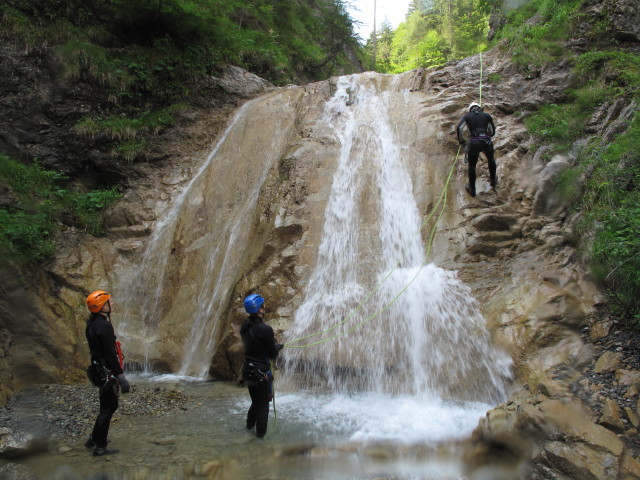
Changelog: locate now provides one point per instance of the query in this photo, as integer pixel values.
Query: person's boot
(470, 190)
(100, 451)
(91, 443)
(494, 183)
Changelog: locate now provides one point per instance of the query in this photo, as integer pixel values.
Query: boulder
(608, 362)
(580, 462)
(547, 199)
(628, 377)
(611, 416)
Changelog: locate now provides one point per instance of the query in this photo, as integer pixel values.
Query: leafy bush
(534, 33)
(29, 222)
(611, 205)
(615, 70)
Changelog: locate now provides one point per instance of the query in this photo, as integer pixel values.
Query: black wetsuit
(259, 349)
(481, 129)
(101, 338)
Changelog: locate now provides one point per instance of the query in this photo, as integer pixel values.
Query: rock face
(567, 423)
(258, 199)
(512, 249)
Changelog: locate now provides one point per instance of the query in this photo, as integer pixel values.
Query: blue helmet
(253, 303)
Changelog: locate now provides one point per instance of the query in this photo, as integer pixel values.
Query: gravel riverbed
(68, 411)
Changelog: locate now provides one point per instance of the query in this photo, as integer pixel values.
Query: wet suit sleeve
(107, 339)
(270, 342)
(491, 128)
(460, 128)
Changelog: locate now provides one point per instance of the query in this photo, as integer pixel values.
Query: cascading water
(176, 295)
(142, 295)
(430, 339)
(410, 342)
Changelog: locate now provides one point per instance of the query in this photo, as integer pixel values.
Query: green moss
(610, 202)
(535, 33)
(29, 224)
(494, 78)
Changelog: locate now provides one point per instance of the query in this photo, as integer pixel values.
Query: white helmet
(474, 104)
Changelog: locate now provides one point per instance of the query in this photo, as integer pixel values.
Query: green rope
(480, 78)
(441, 201)
(275, 412)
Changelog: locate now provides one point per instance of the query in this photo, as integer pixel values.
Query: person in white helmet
(481, 130)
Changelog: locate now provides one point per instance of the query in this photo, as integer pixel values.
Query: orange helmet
(96, 300)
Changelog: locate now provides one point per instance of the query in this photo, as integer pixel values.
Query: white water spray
(430, 339)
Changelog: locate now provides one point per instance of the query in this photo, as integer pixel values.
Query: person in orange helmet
(104, 355)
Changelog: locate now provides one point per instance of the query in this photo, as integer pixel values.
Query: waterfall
(401, 325)
(144, 292)
(175, 296)
(429, 339)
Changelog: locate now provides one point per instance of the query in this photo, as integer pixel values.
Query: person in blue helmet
(481, 130)
(260, 348)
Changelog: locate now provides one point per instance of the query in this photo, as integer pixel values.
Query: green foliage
(123, 128)
(534, 33)
(130, 150)
(494, 78)
(25, 237)
(611, 206)
(433, 33)
(563, 124)
(171, 42)
(87, 208)
(615, 70)
(602, 75)
(29, 222)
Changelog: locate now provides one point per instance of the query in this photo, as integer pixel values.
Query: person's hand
(279, 347)
(124, 384)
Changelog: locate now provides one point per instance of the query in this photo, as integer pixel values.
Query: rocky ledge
(578, 423)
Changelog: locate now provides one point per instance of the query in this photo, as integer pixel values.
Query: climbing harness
(100, 376)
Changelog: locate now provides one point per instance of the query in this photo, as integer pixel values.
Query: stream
(315, 436)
